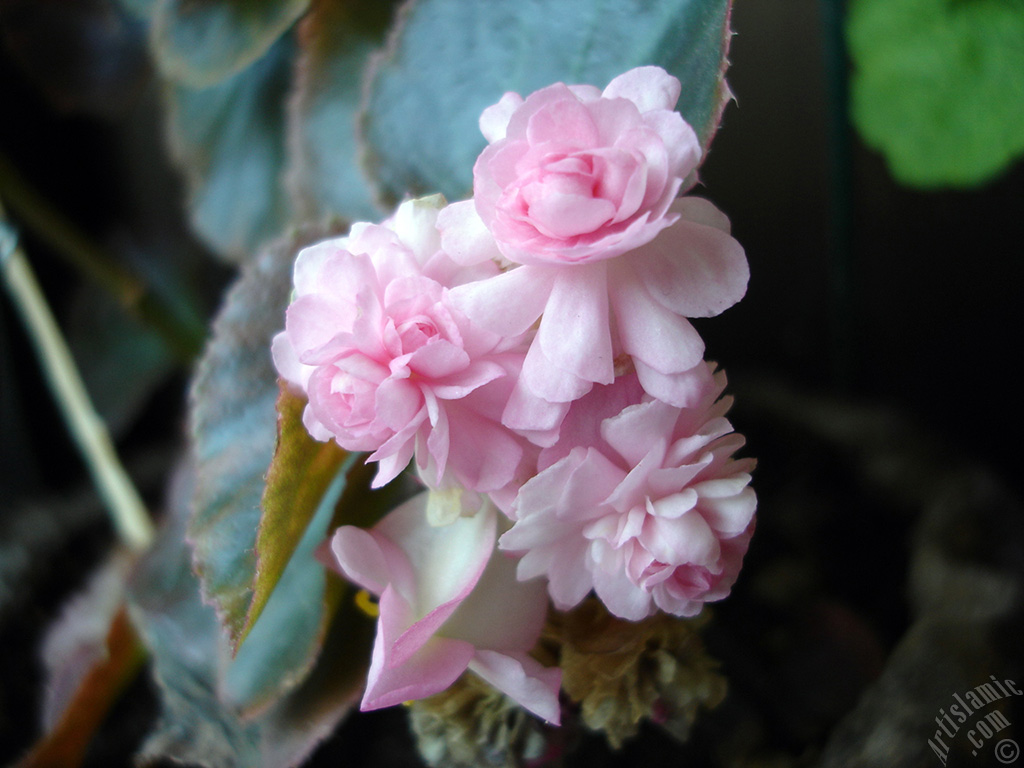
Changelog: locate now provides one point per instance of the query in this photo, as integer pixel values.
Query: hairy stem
(129, 514)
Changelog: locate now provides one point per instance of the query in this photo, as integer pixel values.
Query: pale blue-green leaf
(200, 42)
(449, 59)
(143, 9)
(324, 176)
(234, 427)
(197, 725)
(285, 641)
(938, 86)
(229, 141)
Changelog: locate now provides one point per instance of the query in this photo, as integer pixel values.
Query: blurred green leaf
(198, 43)
(938, 86)
(121, 361)
(300, 473)
(91, 653)
(229, 140)
(336, 39)
(448, 60)
(199, 723)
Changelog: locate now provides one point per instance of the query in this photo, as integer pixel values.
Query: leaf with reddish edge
(336, 38)
(453, 59)
(299, 475)
(91, 653)
(233, 421)
(201, 42)
(65, 744)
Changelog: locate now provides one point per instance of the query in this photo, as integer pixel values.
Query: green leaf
(199, 723)
(122, 361)
(450, 59)
(300, 473)
(286, 641)
(233, 418)
(336, 39)
(200, 42)
(229, 140)
(938, 86)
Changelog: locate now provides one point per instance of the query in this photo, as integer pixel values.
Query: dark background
(859, 287)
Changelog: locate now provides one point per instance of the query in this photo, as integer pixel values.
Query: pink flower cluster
(530, 350)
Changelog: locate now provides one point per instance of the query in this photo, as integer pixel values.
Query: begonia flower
(574, 175)
(389, 365)
(576, 190)
(448, 602)
(647, 507)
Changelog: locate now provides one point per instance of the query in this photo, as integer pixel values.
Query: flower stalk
(128, 512)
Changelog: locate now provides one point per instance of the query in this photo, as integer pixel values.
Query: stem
(184, 336)
(126, 507)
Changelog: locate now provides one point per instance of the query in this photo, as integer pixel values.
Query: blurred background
(865, 293)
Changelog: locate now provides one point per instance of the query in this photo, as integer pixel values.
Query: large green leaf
(336, 38)
(449, 59)
(200, 42)
(284, 644)
(229, 140)
(938, 86)
(200, 723)
(234, 426)
(300, 474)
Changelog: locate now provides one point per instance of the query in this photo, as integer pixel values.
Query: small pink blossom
(640, 501)
(448, 602)
(574, 175)
(389, 365)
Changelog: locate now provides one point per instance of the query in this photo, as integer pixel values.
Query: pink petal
(685, 539)
(574, 333)
(464, 237)
(503, 613)
(632, 432)
(692, 268)
(533, 416)
(509, 303)
(522, 679)
(314, 321)
(414, 225)
(431, 669)
(494, 120)
(620, 595)
(371, 560)
(678, 139)
(286, 361)
(547, 381)
(647, 87)
(648, 331)
(563, 119)
(730, 512)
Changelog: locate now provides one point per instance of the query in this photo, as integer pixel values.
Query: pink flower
(448, 603)
(649, 508)
(574, 175)
(635, 305)
(577, 187)
(389, 365)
